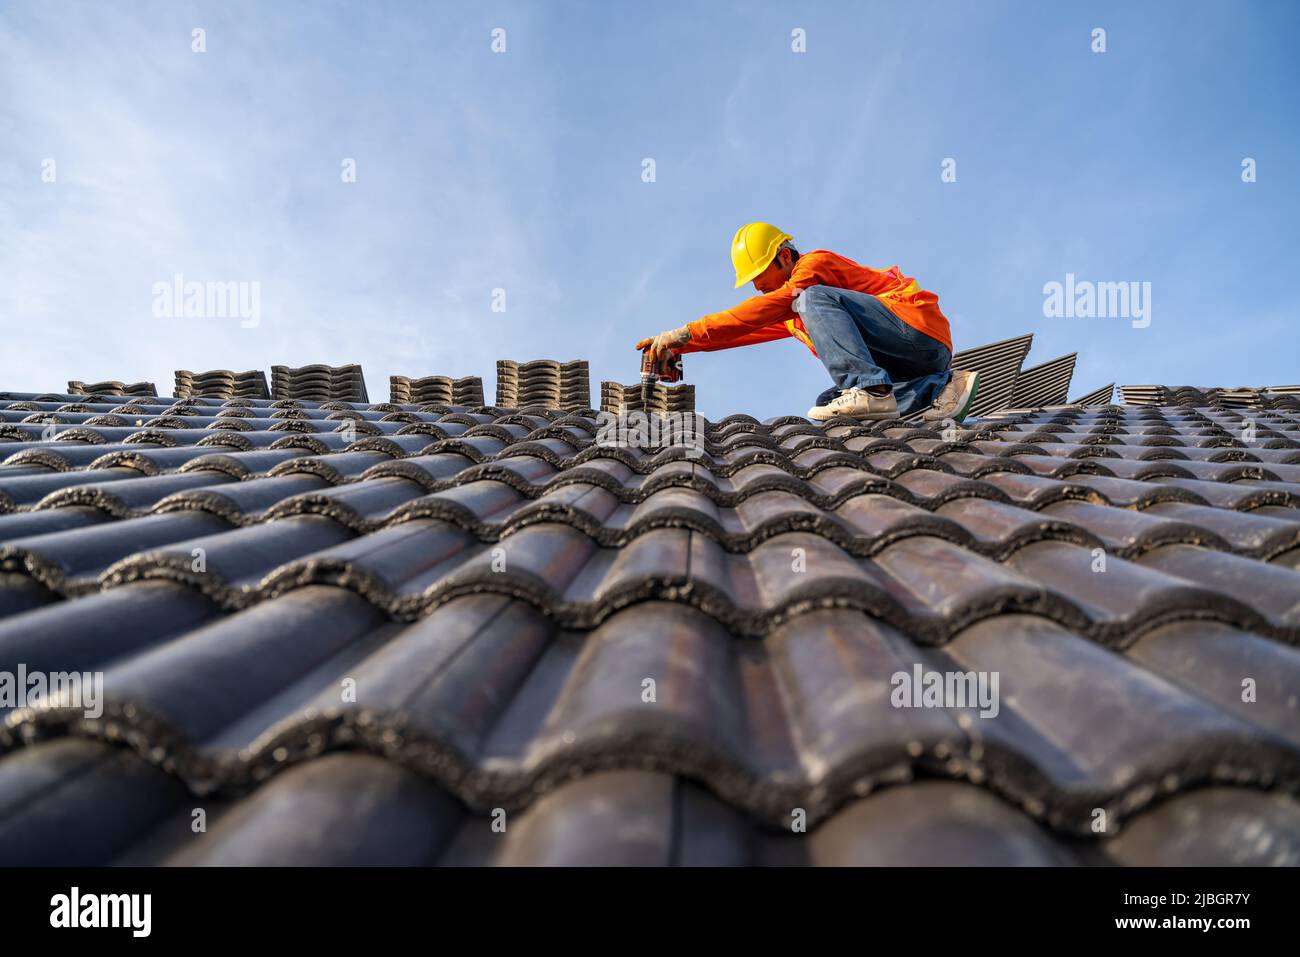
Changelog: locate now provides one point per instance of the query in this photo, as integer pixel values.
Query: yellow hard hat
(754, 248)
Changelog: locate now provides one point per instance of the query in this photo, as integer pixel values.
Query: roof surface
(356, 634)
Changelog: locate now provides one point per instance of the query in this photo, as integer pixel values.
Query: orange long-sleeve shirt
(771, 316)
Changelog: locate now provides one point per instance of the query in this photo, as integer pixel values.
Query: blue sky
(522, 171)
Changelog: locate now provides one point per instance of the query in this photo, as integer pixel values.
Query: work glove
(666, 341)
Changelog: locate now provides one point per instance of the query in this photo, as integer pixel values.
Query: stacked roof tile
(1144, 394)
(998, 364)
(352, 646)
(435, 389)
(1103, 395)
(319, 383)
(1045, 384)
(664, 400)
(222, 384)
(1266, 397)
(543, 384)
(111, 387)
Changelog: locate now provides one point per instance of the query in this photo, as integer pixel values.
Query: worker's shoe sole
(966, 388)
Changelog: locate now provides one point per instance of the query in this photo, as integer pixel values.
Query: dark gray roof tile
(71, 560)
(374, 812)
(87, 634)
(1272, 591)
(132, 499)
(933, 824)
(1130, 533)
(1215, 826)
(191, 697)
(1242, 496)
(240, 502)
(1077, 714)
(1118, 598)
(1252, 534)
(52, 800)
(25, 491)
(19, 593)
(230, 566)
(1245, 675)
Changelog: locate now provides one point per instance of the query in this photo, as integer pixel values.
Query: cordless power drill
(666, 368)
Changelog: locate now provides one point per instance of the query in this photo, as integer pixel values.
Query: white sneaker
(856, 404)
(955, 400)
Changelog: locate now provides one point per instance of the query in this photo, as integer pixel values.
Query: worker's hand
(666, 341)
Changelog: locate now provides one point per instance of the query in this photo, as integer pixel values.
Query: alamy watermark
(133, 912)
(53, 689)
(1084, 299)
(180, 299)
(919, 688)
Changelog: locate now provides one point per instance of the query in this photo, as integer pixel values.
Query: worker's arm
(758, 319)
(766, 334)
(681, 340)
(747, 323)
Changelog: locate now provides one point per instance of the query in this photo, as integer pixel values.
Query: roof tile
(404, 616)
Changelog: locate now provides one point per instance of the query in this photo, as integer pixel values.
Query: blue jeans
(862, 343)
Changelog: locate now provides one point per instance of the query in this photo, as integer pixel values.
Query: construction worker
(883, 339)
